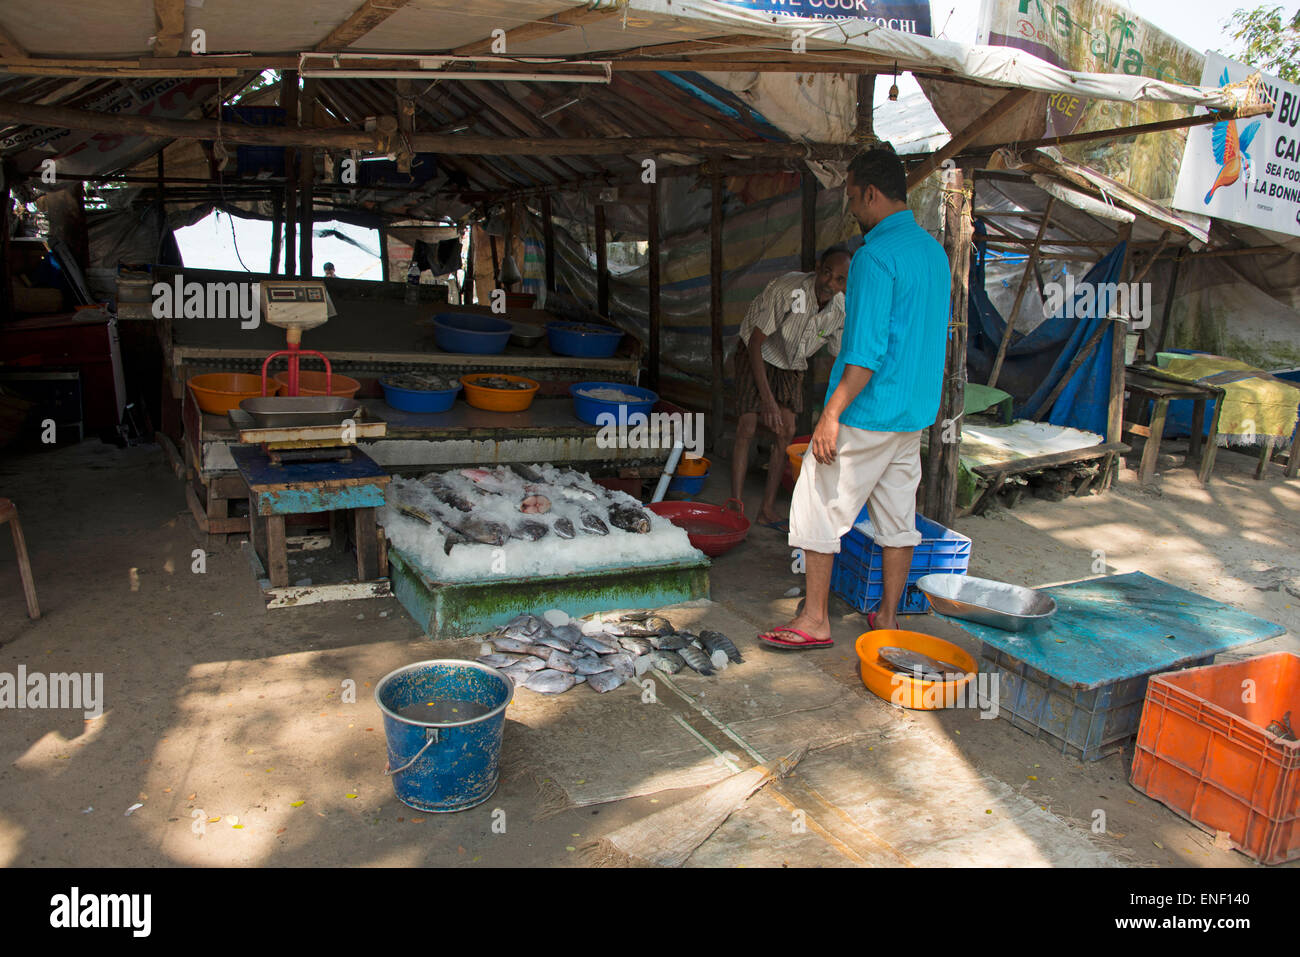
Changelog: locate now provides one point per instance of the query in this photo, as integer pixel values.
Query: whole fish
(549, 681)
(568, 632)
(669, 662)
(622, 663)
(529, 473)
(578, 679)
(554, 641)
(446, 494)
(593, 665)
(560, 661)
(671, 642)
(526, 623)
(498, 660)
(716, 641)
(412, 512)
(529, 531)
(517, 673)
(481, 530)
(606, 681)
(640, 615)
(528, 664)
(487, 481)
(659, 624)
(598, 645)
(515, 646)
(697, 659)
(564, 528)
(593, 525)
(579, 495)
(637, 646)
(629, 518)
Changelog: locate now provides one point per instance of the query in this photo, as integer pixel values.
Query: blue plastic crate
(858, 574)
(1087, 724)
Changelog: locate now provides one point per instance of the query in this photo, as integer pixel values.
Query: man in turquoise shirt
(883, 391)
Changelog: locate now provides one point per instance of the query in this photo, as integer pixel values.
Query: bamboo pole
(1031, 266)
(715, 305)
(961, 138)
(652, 222)
(602, 264)
(548, 242)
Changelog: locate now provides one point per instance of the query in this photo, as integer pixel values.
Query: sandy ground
(221, 716)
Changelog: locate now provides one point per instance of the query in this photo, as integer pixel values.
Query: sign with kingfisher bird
(1246, 171)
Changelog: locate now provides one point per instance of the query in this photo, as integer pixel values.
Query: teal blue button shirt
(896, 325)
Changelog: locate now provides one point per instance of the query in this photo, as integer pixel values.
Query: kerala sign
(1246, 171)
(1100, 36)
(907, 16)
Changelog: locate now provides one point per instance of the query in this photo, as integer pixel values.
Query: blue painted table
(1080, 678)
(354, 488)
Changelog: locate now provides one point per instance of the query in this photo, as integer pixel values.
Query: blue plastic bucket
(418, 400)
(470, 332)
(444, 764)
(588, 408)
(687, 484)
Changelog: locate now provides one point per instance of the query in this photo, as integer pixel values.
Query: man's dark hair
(839, 249)
(881, 168)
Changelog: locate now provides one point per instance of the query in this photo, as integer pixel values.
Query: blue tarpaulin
(1036, 362)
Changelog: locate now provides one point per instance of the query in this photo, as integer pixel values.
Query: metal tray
(294, 411)
(526, 334)
(1010, 607)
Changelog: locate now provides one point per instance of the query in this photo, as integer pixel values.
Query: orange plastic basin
(904, 691)
(219, 392)
(498, 400)
(691, 467)
(795, 454)
(311, 382)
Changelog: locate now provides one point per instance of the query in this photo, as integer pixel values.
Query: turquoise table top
(1122, 626)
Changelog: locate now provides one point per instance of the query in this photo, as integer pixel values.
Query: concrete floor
(218, 709)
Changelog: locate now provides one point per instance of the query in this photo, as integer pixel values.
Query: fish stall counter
(467, 548)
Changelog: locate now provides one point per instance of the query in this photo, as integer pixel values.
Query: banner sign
(1246, 171)
(906, 16)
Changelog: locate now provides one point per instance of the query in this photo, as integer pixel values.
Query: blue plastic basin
(419, 400)
(467, 332)
(580, 339)
(687, 484)
(587, 409)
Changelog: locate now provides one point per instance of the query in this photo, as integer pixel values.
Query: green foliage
(1268, 41)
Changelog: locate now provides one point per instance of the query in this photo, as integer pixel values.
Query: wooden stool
(9, 513)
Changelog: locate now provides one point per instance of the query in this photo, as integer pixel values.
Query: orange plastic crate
(1204, 752)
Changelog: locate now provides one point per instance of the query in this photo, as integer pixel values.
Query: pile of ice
(519, 558)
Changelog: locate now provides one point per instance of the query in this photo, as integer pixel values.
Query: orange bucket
(795, 454)
(901, 690)
(311, 382)
(498, 400)
(689, 466)
(219, 392)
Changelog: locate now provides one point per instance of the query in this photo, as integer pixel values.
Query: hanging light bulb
(893, 90)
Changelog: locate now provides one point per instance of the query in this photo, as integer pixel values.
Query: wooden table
(1148, 383)
(352, 489)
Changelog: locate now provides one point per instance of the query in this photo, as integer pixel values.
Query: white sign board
(1246, 171)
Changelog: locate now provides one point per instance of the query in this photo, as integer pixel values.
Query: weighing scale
(295, 305)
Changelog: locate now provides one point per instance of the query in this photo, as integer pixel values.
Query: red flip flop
(809, 642)
(871, 621)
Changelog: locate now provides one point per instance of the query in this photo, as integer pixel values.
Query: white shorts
(882, 469)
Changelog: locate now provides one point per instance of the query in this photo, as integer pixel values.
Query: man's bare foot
(818, 630)
(767, 516)
(884, 622)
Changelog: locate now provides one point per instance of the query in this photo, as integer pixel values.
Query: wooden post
(1169, 303)
(467, 290)
(808, 262)
(602, 264)
(715, 306)
(1115, 410)
(1031, 268)
(289, 103)
(277, 229)
(945, 434)
(385, 270)
(496, 260)
(6, 275)
(652, 277)
(160, 188)
(306, 181)
(865, 133)
(548, 241)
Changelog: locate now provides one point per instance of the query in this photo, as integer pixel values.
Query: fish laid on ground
(593, 525)
(669, 662)
(529, 663)
(564, 528)
(623, 663)
(717, 641)
(641, 615)
(499, 660)
(569, 632)
(529, 531)
(697, 659)
(629, 518)
(554, 641)
(637, 646)
(674, 642)
(606, 681)
(598, 645)
(528, 624)
(560, 661)
(549, 681)
(515, 646)
(593, 665)
(518, 673)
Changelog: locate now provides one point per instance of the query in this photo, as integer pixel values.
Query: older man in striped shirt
(791, 319)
